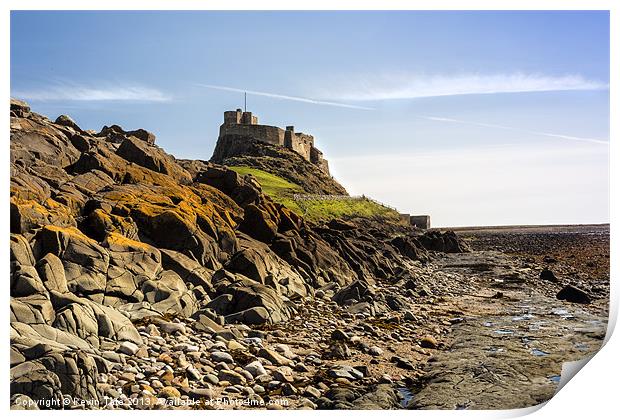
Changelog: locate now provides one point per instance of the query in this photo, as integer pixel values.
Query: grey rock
(128, 348)
(220, 356)
(232, 377)
(344, 371)
(255, 368)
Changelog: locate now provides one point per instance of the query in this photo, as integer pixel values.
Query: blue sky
(477, 118)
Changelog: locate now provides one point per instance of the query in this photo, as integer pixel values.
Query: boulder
(131, 264)
(256, 315)
(19, 108)
(77, 372)
(230, 183)
(383, 397)
(52, 273)
(358, 290)
(141, 153)
(410, 248)
(80, 321)
(35, 140)
(67, 121)
(190, 270)
(35, 381)
(573, 294)
(257, 262)
(25, 336)
(21, 251)
(247, 294)
(85, 262)
(25, 281)
(259, 224)
(28, 215)
(116, 134)
(548, 275)
(169, 294)
(33, 309)
(110, 323)
(448, 242)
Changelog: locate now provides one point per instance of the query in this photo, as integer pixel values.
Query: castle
(243, 123)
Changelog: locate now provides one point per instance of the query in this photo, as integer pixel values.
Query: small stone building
(422, 222)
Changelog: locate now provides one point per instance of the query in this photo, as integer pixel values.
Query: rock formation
(116, 244)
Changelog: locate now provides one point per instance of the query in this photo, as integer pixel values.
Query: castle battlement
(243, 123)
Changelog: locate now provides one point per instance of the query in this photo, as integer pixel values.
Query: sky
(476, 118)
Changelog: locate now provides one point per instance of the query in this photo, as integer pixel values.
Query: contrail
(286, 97)
(504, 127)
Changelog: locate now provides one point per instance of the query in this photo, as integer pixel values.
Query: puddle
(535, 326)
(405, 396)
(523, 317)
(503, 331)
(563, 313)
(537, 352)
(554, 378)
(488, 324)
(582, 346)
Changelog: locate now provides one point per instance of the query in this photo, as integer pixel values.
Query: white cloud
(505, 127)
(72, 92)
(406, 86)
(285, 97)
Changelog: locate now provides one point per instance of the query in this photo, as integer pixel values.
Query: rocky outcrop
(233, 150)
(447, 242)
(109, 233)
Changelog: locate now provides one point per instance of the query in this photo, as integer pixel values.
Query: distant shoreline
(602, 226)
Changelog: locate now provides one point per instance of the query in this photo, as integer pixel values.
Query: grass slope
(283, 191)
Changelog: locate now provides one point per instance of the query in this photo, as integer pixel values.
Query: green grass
(279, 189)
(283, 191)
(343, 209)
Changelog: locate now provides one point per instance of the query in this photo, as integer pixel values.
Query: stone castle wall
(264, 133)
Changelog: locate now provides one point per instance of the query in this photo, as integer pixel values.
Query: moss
(118, 241)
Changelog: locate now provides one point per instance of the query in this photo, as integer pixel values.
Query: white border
(591, 395)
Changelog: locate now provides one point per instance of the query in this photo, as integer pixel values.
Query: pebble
(273, 357)
(255, 368)
(339, 335)
(172, 328)
(375, 351)
(152, 330)
(311, 391)
(253, 340)
(193, 373)
(220, 356)
(345, 372)
(211, 378)
(169, 392)
(128, 348)
(186, 347)
(232, 377)
(428, 342)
